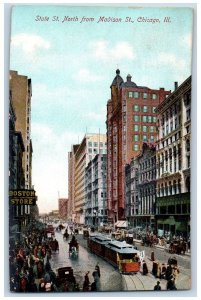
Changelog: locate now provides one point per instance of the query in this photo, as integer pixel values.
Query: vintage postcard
(100, 148)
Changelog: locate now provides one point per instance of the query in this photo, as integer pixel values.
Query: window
(101, 144)
(154, 96)
(136, 138)
(136, 95)
(152, 138)
(144, 128)
(95, 144)
(130, 94)
(135, 147)
(154, 119)
(145, 95)
(144, 118)
(149, 119)
(124, 128)
(89, 144)
(144, 138)
(90, 150)
(136, 128)
(136, 107)
(136, 118)
(153, 109)
(145, 109)
(152, 128)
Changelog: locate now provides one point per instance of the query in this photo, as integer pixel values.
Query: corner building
(131, 120)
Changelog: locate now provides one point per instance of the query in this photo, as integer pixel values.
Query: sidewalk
(158, 247)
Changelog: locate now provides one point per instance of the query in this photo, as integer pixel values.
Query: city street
(111, 279)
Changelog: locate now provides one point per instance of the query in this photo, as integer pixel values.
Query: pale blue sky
(72, 66)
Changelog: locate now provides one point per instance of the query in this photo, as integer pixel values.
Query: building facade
(147, 187)
(131, 120)
(173, 161)
(20, 94)
(95, 187)
(141, 188)
(63, 207)
(71, 185)
(90, 146)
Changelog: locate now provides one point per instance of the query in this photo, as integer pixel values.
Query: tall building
(21, 90)
(71, 185)
(91, 145)
(95, 187)
(131, 120)
(63, 207)
(173, 161)
(21, 93)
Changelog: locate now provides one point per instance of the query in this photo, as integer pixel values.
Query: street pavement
(111, 279)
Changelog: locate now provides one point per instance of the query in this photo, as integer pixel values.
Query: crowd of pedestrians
(30, 268)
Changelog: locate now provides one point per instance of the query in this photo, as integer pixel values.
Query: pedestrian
(86, 282)
(144, 268)
(154, 268)
(171, 284)
(157, 287)
(96, 280)
(97, 268)
(163, 271)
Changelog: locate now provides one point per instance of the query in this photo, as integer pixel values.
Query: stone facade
(173, 161)
(95, 187)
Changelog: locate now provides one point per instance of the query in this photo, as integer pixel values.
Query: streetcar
(120, 254)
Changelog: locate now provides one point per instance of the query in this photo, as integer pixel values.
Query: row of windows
(138, 138)
(138, 95)
(144, 128)
(95, 144)
(144, 108)
(149, 119)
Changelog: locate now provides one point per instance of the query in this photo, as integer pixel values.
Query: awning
(121, 224)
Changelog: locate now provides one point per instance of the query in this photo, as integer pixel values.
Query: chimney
(175, 85)
(129, 78)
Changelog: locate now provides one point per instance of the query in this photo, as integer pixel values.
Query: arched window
(174, 187)
(188, 184)
(179, 186)
(170, 187)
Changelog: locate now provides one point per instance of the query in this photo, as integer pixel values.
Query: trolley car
(120, 254)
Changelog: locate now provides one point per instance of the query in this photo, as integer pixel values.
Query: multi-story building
(71, 186)
(21, 90)
(147, 187)
(91, 145)
(131, 120)
(21, 93)
(131, 192)
(63, 207)
(95, 187)
(141, 188)
(173, 161)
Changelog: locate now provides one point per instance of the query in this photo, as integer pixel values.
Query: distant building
(91, 145)
(71, 183)
(63, 207)
(173, 161)
(131, 120)
(95, 187)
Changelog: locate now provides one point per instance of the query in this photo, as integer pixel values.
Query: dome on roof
(118, 79)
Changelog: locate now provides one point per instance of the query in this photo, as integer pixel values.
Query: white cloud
(120, 51)
(29, 43)
(84, 75)
(170, 59)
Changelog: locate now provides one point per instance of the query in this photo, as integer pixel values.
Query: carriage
(73, 248)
